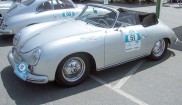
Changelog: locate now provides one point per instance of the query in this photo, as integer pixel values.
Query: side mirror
(118, 29)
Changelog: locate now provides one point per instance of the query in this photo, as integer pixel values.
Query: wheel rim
(73, 69)
(159, 48)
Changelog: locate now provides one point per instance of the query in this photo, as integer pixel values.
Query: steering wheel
(103, 21)
(60, 3)
(127, 18)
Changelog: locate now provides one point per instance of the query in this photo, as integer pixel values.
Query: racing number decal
(132, 37)
(132, 41)
(22, 67)
(21, 70)
(68, 14)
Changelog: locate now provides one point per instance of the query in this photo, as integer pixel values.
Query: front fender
(19, 21)
(54, 52)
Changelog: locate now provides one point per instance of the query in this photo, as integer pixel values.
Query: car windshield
(27, 2)
(63, 4)
(98, 16)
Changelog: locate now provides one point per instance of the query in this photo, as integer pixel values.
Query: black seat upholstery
(148, 19)
(47, 5)
(129, 17)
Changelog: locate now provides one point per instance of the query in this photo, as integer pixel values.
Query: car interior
(125, 18)
(135, 18)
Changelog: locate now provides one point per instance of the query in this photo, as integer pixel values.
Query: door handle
(55, 17)
(144, 35)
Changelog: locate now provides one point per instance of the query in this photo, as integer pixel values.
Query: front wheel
(159, 50)
(73, 70)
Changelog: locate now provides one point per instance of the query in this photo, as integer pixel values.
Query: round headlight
(16, 39)
(34, 58)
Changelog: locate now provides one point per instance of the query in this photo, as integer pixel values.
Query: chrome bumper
(31, 77)
(4, 31)
(9, 32)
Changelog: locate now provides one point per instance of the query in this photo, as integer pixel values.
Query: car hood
(55, 31)
(5, 4)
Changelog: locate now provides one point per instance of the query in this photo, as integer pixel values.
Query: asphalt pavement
(141, 82)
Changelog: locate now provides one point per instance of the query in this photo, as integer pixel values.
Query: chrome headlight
(16, 39)
(34, 58)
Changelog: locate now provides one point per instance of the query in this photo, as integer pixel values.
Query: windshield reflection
(98, 16)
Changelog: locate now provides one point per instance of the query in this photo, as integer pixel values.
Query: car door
(65, 14)
(44, 12)
(124, 44)
(63, 9)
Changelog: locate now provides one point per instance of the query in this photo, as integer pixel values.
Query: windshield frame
(99, 6)
(64, 2)
(27, 2)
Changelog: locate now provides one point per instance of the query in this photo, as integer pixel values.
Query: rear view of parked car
(37, 11)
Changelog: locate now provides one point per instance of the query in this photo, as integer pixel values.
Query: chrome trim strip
(121, 62)
(6, 31)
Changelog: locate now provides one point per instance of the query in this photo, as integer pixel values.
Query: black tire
(160, 55)
(68, 65)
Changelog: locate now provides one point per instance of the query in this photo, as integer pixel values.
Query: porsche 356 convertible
(32, 12)
(100, 37)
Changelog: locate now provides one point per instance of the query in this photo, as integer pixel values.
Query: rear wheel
(73, 70)
(159, 50)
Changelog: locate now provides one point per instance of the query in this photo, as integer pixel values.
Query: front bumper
(39, 79)
(4, 31)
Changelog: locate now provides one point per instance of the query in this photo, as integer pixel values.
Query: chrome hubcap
(73, 69)
(159, 48)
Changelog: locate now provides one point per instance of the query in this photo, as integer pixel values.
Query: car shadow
(112, 75)
(178, 32)
(179, 7)
(148, 63)
(34, 94)
(6, 40)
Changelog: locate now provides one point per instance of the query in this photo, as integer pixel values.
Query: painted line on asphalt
(123, 80)
(179, 42)
(130, 97)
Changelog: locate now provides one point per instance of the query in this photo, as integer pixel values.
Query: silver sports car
(100, 37)
(5, 5)
(31, 12)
